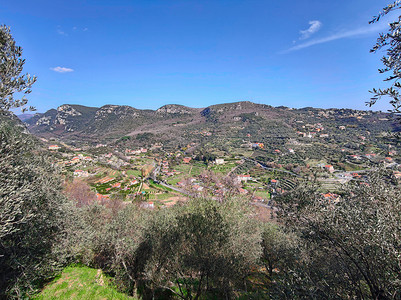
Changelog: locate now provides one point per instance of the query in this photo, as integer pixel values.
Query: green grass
(184, 168)
(197, 169)
(135, 173)
(150, 190)
(263, 194)
(114, 174)
(174, 180)
(164, 196)
(159, 186)
(80, 282)
(351, 166)
(223, 168)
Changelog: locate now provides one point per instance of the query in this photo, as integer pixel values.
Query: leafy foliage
(201, 248)
(391, 42)
(350, 248)
(32, 213)
(204, 247)
(11, 66)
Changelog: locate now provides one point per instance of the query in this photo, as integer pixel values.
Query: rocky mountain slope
(179, 124)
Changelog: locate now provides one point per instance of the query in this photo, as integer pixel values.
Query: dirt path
(99, 278)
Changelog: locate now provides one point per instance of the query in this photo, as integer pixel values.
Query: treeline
(318, 249)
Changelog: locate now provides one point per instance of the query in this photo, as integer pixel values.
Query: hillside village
(158, 174)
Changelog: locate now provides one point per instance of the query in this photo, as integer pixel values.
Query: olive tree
(198, 249)
(391, 43)
(32, 213)
(11, 79)
(350, 248)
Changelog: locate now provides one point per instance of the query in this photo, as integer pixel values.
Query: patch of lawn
(165, 196)
(174, 180)
(184, 168)
(79, 282)
(159, 186)
(197, 170)
(135, 173)
(263, 194)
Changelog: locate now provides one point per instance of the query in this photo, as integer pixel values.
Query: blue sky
(148, 53)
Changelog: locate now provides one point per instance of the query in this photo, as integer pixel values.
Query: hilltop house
(242, 191)
(197, 187)
(257, 146)
(244, 178)
(74, 160)
(102, 197)
(81, 173)
(147, 204)
(187, 160)
(219, 161)
(331, 197)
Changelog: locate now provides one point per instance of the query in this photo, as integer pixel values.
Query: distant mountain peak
(175, 109)
(115, 110)
(25, 117)
(241, 105)
(68, 110)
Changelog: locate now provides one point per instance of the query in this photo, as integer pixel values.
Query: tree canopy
(32, 213)
(11, 79)
(350, 249)
(391, 43)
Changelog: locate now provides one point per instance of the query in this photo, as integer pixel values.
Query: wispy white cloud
(60, 32)
(340, 35)
(313, 28)
(70, 30)
(76, 28)
(61, 70)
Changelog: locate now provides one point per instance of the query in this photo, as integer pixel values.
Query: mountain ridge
(72, 122)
